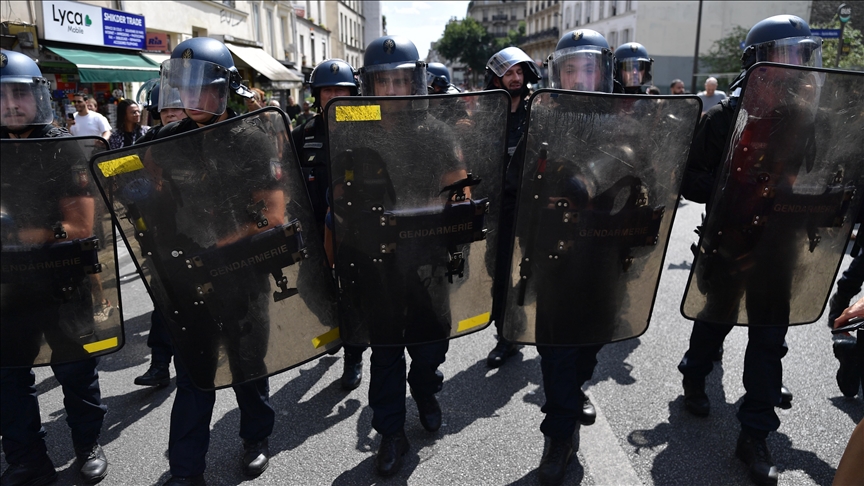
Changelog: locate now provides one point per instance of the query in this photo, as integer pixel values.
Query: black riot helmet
(333, 72)
(437, 76)
(633, 66)
(503, 60)
(784, 39)
(582, 61)
(392, 67)
(26, 99)
(202, 71)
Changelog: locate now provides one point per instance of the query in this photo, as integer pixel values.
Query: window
(628, 6)
(324, 50)
(256, 23)
(625, 36)
(613, 40)
(600, 10)
(567, 16)
(614, 8)
(578, 15)
(271, 31)
(302, 46)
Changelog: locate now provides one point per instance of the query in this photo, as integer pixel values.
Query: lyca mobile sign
(85, 24)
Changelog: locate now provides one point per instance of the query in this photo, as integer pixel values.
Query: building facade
(542, 28)
(499, 17)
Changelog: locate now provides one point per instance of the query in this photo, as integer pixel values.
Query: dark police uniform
(416, 308)
(22, 431)
(193, 408)
(763, 371)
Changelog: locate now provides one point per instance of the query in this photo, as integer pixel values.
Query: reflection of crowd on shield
(438, 213)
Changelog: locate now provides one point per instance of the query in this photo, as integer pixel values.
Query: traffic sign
(844, 12)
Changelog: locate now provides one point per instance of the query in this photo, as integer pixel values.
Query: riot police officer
(203, 71)
(25, 112)
(582, 61)
(438, 79)
(392, 67)
(328, 80)
(158, 340)
(633, 67)
(512, 70)
(784, 39)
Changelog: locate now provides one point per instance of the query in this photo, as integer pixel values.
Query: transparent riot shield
(786, 199)
(216, 220)
(600, 181)
(59, 280)
(416, 187)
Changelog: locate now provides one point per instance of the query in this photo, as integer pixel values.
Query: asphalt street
(490, 435)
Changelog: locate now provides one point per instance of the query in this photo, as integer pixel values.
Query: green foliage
(468, 42)
(514, 38)
(725, 54)
(853, 60)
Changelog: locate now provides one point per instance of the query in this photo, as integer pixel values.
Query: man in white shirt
(710, 96)
(88, 122)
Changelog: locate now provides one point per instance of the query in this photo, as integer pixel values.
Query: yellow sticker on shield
(101, 345)
(358, 113)
(326, 338)
(111, 168)
(473, 322)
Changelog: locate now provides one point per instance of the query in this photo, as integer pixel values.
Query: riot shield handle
(256, 213)
(525, 270)
(282, 283)
(456, 265)
(456, 191)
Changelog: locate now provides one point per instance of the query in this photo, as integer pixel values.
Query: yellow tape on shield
(358, 113)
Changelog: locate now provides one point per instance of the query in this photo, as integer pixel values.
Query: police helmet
(633, 66)
(203, 72)
(392, 67)
(784, 39)
(506, 58)
(26, 96)
(333, 72)
(437, 76)
(582, 61)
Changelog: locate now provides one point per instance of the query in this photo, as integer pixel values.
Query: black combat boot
(352, 371)
(589, 414)
(390, 452)
(92, 462)
(499, 354)
(695, 398)
(256, 457)
(37, 473)
(429, 411)
(754, 452)
(785, 398)
(157, 375)
(557, 454)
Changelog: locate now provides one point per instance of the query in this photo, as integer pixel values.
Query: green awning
(108, 67)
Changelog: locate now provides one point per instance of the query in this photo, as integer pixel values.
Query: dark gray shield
(599, 188)
(785, 201)
(416, 186)
(59, 277)
(216, 221)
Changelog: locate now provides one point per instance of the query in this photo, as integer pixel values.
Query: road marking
(605, 460)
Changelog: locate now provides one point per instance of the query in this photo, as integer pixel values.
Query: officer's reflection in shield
(47, 214)
(756, 250)
(208, 197)
(578, 212)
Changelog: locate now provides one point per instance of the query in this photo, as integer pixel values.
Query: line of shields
(220, 227)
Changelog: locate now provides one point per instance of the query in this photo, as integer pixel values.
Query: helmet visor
(582, 68)
(25, 103)
(199, 85)
(634, 72)
(395, 79)
(797, 51)
(503, 60)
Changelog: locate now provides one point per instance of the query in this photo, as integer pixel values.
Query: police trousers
(565, 369)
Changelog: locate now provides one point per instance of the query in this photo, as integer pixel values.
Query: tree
(514, 38)
(853, 38)
(468, 42)
(725, 54)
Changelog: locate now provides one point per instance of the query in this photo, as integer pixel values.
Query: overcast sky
(422, 22)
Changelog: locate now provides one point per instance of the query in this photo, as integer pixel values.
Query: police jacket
(310, 140)
(706, 152)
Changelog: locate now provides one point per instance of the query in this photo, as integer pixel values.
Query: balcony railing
(543, 35)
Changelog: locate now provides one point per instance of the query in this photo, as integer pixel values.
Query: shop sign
(79, 23)
(157, 42)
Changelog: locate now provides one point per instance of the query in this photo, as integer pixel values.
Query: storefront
(261, 70)
(93, 50)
